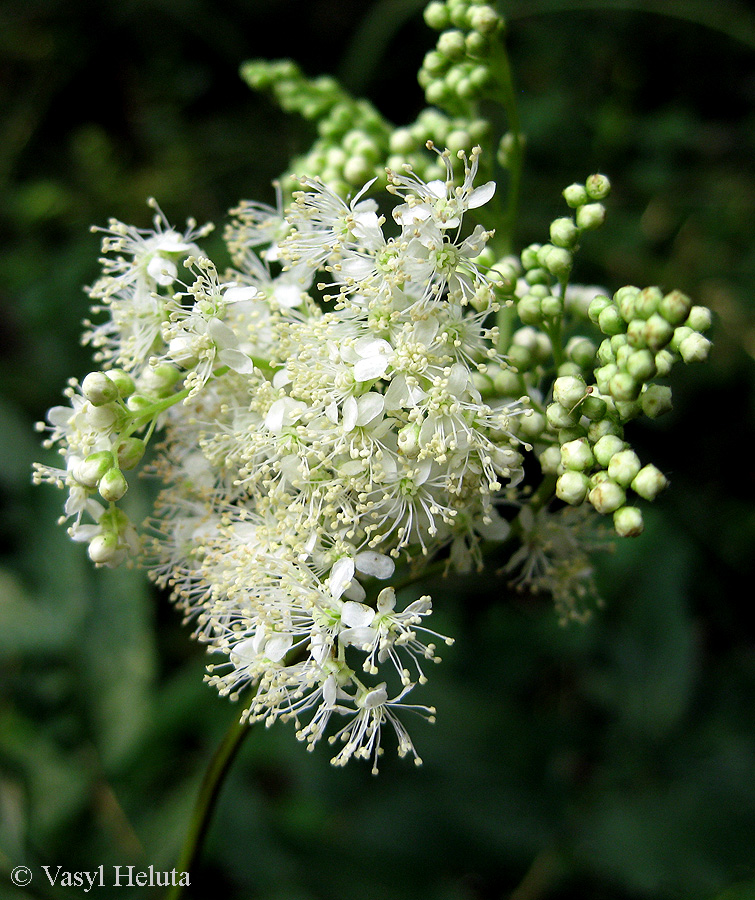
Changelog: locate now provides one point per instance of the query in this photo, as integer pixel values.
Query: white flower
(362, 736)
(444, 202)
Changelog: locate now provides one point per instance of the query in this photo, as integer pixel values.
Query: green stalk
(504, 237)
(506, 95)
(209, 791)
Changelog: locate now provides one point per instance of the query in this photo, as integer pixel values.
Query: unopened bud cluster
(646, 331)
(352, 142)
(599, 386)
(458, 71)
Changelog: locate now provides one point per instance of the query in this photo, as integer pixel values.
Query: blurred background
(612, 761)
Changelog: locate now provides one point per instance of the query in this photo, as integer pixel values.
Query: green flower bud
(623, 387)
(543, 253)
(552, 307)
(649, 482)
(597, 187)
(529, 310)
(160, 379)
(618, 341)
(100, 418)
(558, 417)
(680, 333)
(458, 139)
(568, 391)
(525, 337)
(595, 408)
(521, 358)
(436, 93)
(627, 409)
(451, 44)
(130, 452)
(623, 467)
(636, 334)
(572, 433)
(603, 377)
(641, 365)
(601, 429)
(559, 262)
(357, 170)
(606, 354)
(694, 348)
(137, 402)
(550, 460)
(123, 381)
(537, 276)
(596, 307)
(532, 424)
(113, 485)
(700, 318)
(590, 216)
(658, 332)
(578, 300)
(103, 548)
(508, 146)
(564, 232)
(477, 44)
(508, 383)
(626, 302)
(628, 521)
(457, 10)
(464, 88)
(607, 497)
(529, 256)
(484, 19)
(89, 471)
(569, 368)
(630, 291)
(436, 16)
(99, 389)
(542, 349)
(581, 351)
(577, 455)
(610, 321)
(575, 195)
(483, 383)
(402, 141)
(656, 400)
(664, 362)
(648, 301)
(572, 487)
(675, 307)
(606, 448)
(622, 355)
(479, 129)
(507, 269)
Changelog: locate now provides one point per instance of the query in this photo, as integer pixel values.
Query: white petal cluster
(330, 429)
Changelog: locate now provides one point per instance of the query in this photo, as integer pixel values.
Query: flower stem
(207, 800)
(506, 95)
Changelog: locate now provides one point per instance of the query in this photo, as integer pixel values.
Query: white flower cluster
(329, 428)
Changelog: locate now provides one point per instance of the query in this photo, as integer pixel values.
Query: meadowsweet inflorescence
(357, 395)
(307, 446)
